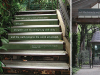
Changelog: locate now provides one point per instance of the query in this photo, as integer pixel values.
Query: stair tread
(26, 26)
(37, 42)
(36, 33)
(39, 20)
(38, 11)
(12, 74)
(35, 14)
(34, 52)
(36, 64)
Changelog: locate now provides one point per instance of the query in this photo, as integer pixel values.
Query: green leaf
(1, 64)
(1, 70)
(2, 47)
(4, 40)
(2, 31)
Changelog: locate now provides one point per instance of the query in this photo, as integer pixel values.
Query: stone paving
(88, 71)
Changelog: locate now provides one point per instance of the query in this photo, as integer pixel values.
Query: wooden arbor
(80, 4)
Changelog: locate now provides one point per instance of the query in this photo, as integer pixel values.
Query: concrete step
(36, 28)
(55, 65)
(34, 52)
(35, 16)
(37, 12)
(35, 44)
(35, 36)
(36, 22)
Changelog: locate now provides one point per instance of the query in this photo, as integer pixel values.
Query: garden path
(88, 71)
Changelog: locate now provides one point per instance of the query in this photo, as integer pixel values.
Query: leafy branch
(8, 9)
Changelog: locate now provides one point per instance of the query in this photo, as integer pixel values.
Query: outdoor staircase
(35, 43)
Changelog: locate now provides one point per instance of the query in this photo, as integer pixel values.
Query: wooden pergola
(83, 4)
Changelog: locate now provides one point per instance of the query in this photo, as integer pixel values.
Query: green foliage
(78, 42)
(7, 11)
(87, 32)
(2, 30)
(74, 70)
(43, 5)
(4, 40)
(1, 70)
(1, 64)
(2, 47)
(38, 5)
(8, 8)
